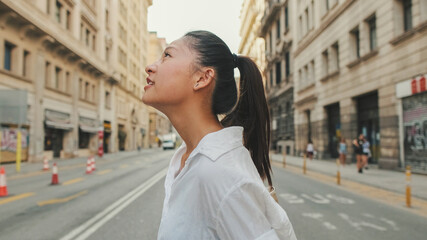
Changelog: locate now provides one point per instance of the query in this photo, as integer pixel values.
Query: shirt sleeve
(248, 212)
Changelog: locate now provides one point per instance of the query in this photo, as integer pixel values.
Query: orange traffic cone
(3, 187)
(54, 174)
(89, 166)
(93, 164)
(45, 164)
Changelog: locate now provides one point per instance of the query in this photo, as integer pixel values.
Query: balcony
(270, 15)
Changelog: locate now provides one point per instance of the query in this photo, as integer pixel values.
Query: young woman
(366, 152)
(214, 186)
(310, 149)
(342, 151)
(358, 150)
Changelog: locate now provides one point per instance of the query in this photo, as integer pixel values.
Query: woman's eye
(166, 54)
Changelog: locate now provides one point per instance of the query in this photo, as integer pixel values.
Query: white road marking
(329, 226)
(319, 199)
(339, 199)
(359, 225)
(89, 227)
(290, 198)
(319, 217)
(391, 223)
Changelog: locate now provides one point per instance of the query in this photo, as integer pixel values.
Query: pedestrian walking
(366, 153)
(310, 149)
(342, 149)
(358, 150)
(214, 187)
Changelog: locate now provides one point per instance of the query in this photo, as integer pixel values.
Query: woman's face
(170, 79)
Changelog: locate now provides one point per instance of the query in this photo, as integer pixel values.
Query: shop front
(368, 123)
(107, 135)
(88, 129)
(56, 126)
(413, 97)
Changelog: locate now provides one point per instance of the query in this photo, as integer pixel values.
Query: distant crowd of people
(361, 148)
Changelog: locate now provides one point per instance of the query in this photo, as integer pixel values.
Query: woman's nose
(150, 68)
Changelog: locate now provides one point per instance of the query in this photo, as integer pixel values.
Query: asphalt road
(123, 199)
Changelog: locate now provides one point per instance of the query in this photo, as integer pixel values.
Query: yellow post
(408, 186)
(18, 152)
(284, 159)
(304, 166)
(338, 172)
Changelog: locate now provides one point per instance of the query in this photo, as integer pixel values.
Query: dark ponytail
(252, 113)
(249, 109)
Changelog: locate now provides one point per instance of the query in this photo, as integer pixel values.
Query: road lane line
(61, 200)
(89, 227)
(15, 198)
(104, 172)
(72, 181)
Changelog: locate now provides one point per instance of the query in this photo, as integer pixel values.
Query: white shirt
(220, 195)
(310, 147)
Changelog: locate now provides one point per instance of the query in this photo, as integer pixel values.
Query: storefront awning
(58, 120)
(88, 125)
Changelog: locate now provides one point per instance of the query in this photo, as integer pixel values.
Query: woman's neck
(193, 125)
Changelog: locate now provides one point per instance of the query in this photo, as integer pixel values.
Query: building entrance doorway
(368, 123)
(334, 129)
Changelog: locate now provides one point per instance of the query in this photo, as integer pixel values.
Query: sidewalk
(27, 167)
(394, 181)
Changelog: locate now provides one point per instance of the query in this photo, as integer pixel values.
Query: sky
(171, 19)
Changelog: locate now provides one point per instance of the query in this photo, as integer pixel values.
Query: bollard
(284, 159)
(304, 166)
(408, 186)
(338, 172)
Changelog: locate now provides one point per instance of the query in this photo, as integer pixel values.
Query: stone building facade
(278, 30)
(80, 65)
(360, 67)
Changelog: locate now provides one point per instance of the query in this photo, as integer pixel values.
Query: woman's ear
(204, 79)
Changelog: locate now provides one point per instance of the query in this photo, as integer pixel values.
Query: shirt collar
(215, 144)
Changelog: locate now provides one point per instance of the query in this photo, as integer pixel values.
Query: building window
(94, 42)
(325, 63)
(68, 20)
(93, 93)
(278, 29)
(107, 54)
(107, 100)
(312, 72)
(87, 37)
(286, 19)
(301, 34)
(47, 73)
(278, 72)
(407, 14)
(87, 91)
(67, 82)
(57, 82)
(372, 33)
(271, 42)
(8, 58)
(26, 63)
(335, 57)
(307, 22)
(287, 65)
(81, 90)
(355, 42)
(107, 16)
(312, 14)
(58, 11)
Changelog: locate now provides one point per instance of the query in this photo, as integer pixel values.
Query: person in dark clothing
(358, 150)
